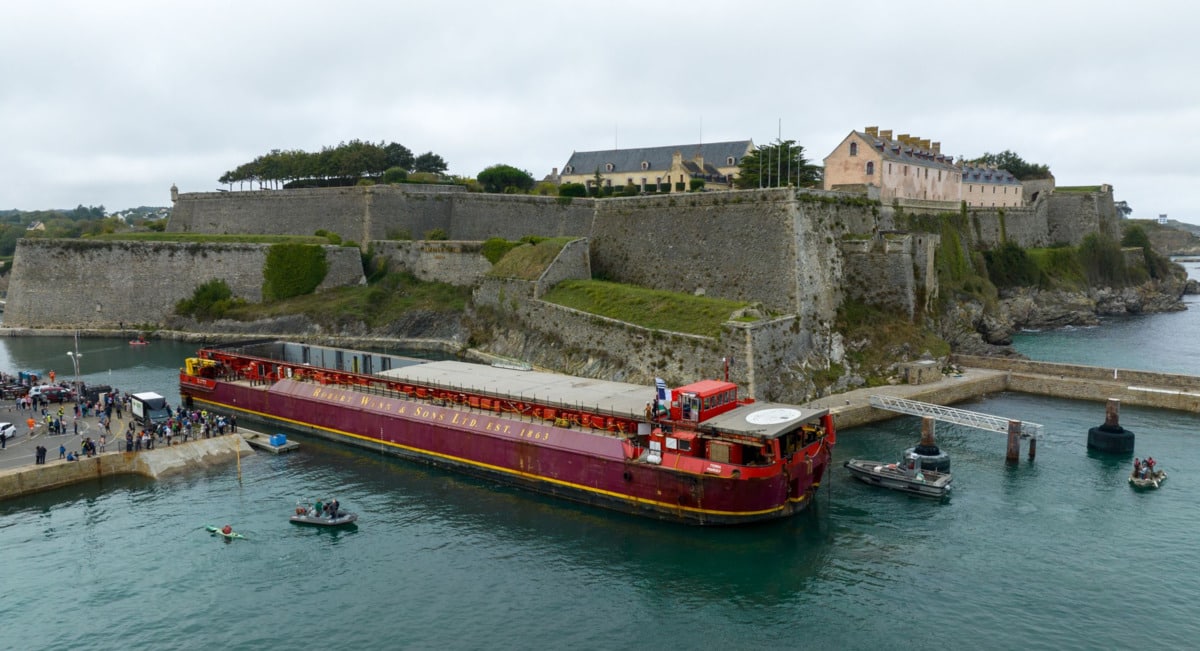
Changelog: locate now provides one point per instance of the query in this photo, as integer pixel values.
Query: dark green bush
(293, 270)
(1009, 266)
(436, 234)
(497, 247)
(1102, 261)
(210, 300)
(572, 190)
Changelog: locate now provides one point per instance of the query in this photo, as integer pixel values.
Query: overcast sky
(109, 103)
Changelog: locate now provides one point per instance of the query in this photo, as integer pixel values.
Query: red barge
(698, 454)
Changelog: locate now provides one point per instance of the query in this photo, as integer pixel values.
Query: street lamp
(75, 360)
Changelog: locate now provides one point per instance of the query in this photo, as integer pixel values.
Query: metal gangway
(951, 415)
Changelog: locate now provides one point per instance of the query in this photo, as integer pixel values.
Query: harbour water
(1054, 553)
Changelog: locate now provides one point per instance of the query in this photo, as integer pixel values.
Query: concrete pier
(28, 478)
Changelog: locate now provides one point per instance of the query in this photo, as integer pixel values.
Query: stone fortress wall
(381, 212)
(102, 284)
(794, 254)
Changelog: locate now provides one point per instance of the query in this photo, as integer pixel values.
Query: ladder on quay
(951, 415)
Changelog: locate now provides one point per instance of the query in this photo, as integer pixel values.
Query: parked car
(51, 393)
(13, 391)
(8, 430)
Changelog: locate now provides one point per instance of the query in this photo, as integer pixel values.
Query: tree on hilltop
(431, 163)
(345, 164)
(1013, 164)
(505, 178)
(777, 164)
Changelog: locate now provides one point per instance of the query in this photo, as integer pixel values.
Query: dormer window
(608, 167)
(568, 169)
(645, 165)
(731, 161)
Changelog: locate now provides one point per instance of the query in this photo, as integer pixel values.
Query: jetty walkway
(985, 375)
(19, 475)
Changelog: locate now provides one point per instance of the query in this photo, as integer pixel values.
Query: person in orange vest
(52, 377)
(32, 423)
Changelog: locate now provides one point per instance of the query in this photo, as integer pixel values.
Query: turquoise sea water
(1055, 553)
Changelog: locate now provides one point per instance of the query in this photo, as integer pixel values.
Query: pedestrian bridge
(951, 415)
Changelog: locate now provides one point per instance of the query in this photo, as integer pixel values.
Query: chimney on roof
(872, 131)
(903, 138)
(936, 146)
(886, 134)
(925, 144)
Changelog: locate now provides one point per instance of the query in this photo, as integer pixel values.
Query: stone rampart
(1073, 215)
(378, 212)
(454, 262)
(879, 271)
(573, 262)
(155, 463)
(88, 284)
(735, 245)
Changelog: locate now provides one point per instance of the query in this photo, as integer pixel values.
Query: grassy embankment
(650, 308)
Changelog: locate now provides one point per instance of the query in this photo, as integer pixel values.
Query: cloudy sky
(109, 103)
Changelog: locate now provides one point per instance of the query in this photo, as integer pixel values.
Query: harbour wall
(102, 284)
(156, 463)
(1076, 382)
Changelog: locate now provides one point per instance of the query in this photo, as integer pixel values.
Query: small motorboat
(306, 515)
(232, 535)
(1151, 480)
(906, 477)
(138, 342)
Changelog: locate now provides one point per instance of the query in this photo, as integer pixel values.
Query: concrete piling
(1013, 454)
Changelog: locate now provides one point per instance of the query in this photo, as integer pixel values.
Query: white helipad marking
(772, 416)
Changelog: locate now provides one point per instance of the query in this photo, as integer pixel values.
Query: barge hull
(581, 466)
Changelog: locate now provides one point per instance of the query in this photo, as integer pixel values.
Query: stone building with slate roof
(990, 187)
(909, 168)
(667, 169)
(902, 168)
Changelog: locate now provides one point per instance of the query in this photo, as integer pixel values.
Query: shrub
(1009, 266)
(210, 300)
(497, 247)
(696, 185)
(293, 270)
(395, 175)
(1102, 261)
(436, 234)
(572, 190)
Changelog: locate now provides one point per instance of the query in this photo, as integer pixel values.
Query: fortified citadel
(795, 254)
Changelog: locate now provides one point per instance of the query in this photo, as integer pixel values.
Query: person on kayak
(227, 530)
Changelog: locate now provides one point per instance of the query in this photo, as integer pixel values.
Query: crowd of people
(182, 425)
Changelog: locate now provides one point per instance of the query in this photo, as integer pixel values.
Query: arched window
(854, 149)
(608, 167)
(568, 169)
(731, 161)
(645, 165)
(870, 168)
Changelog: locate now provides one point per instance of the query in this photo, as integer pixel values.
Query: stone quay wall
(158, 462)
(1141, 388)
(102, 284)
